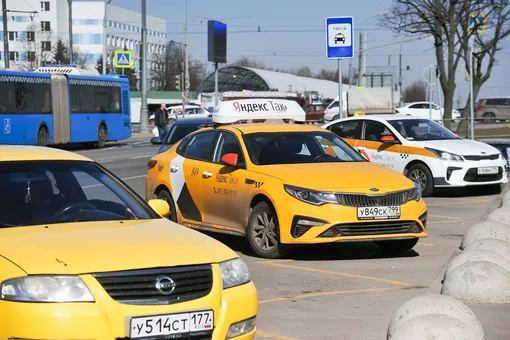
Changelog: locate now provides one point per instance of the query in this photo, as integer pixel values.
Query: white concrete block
(486, 229)
(501, 215)
(478, 282)
(492, 244)
(477, 255)
(434, 304)
(505, 200)
(435, 327)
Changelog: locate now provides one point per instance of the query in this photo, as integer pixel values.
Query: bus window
(115, 95)
(42, 102)
(86, 99)
(101, 99)
(24, 98)
(7, 97)
(75, 98)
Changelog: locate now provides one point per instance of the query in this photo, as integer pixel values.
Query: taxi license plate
(171, 324)
(378, 213)
(491, 170)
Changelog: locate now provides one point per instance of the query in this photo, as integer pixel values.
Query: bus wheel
(101, 136)
(43, 139)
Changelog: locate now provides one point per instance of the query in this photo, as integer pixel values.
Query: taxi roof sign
(246, 109)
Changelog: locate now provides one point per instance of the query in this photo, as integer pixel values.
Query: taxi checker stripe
(180, 193)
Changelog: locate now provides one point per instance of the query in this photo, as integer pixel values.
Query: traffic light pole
(144, 117)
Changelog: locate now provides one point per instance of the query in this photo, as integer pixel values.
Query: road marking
(107, 161)
(445, 222)
(372, 278)
(273, 336)
(124, 179)
(460, 203)
(447, 217)
(338, 292)
(144, 156)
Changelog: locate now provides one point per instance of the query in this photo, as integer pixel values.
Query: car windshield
(179, 131)
(299, 147)
(422, 130)
(49, 192)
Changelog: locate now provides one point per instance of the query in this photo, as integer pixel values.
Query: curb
(435, 286)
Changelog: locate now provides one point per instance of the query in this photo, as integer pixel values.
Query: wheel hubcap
(264, 231)
(419, 177)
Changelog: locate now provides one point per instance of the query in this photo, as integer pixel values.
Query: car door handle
(207, 174)
(174, 168)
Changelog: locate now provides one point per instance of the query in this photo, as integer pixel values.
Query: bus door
(61, 110)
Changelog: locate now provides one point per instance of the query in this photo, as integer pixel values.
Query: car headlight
(446, 156)
(234, 273)
(415, 193)
(46, 289)
(311, 196)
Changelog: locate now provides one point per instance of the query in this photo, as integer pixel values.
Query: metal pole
(364, 59)
(340, 96)
(186, 67)
(471, 92)
(360, 59)
(70, 52)
(104, 34)
(6, 35)
(215, 86)
(430, 93)
(144, 118)
(400, 77)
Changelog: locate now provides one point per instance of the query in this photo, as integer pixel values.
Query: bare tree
(81, 59)
(33, 45)
(303, 71)
(416, 92)
(447, 23)
(247, 62)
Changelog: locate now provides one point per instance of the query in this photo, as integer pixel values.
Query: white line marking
(124, 179)
(144, 156)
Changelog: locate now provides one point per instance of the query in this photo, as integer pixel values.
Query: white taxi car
(423, 150)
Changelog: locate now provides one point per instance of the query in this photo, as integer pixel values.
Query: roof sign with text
(247, 109)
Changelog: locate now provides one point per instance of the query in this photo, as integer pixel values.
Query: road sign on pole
(478, 22)
(339, 45)
(123, 59)
(339, 37)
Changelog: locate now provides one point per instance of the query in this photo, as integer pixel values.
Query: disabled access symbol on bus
(7, 126)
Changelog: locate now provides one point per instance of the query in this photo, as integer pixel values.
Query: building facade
(34, 30)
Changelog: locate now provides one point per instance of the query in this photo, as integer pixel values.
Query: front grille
(372, 228)
(481, 158)
(138, 287)
(472, 176)
(360, 200)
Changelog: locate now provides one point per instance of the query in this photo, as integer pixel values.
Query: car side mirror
(388, 140)
(230, 159)
(161, 207)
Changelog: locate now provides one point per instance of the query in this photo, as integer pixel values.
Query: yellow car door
(186, 173)
(222, 189)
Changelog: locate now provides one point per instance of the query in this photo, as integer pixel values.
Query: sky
(292, 34)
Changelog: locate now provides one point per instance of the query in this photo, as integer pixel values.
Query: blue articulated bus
(58, 105)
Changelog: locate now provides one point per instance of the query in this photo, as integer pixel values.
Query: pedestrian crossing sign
(477, 22)
(123, 59)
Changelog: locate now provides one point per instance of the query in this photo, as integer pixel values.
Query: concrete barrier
(506, 199)
(434, 304)
(478, 282)
(477, 255)
(486, 230)
(435, 326)
(498, 246)
(501, 215)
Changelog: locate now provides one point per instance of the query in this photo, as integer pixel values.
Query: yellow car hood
(90, 247)
(348, 176)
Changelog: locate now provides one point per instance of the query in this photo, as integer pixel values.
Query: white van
(333, 112)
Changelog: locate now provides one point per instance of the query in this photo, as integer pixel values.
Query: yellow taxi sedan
(82, 256)
(283, 184)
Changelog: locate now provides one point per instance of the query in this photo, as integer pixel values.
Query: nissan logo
(165, 285)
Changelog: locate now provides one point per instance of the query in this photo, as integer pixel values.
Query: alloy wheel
(264, 231)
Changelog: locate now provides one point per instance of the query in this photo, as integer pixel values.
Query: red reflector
(151, 164)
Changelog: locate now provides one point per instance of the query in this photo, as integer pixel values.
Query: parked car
(181, 129)
(492, 109)
(423, 110)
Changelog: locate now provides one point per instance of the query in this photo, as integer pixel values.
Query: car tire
(167, 196)
(43, 138)
(263, 219)
(101, 137)
(489, 118)
(397, 246)
(494, 189)
(420, 173)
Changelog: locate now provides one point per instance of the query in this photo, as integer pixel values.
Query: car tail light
(151, 164)
(481, 105)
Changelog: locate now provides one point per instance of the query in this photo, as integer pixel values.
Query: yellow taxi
(282, 184)
(84, 257)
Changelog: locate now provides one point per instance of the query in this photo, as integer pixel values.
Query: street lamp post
(104, 33)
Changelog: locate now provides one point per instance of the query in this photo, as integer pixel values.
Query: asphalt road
(344, 291)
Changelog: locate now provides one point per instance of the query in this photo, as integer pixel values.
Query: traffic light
(178, 82)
